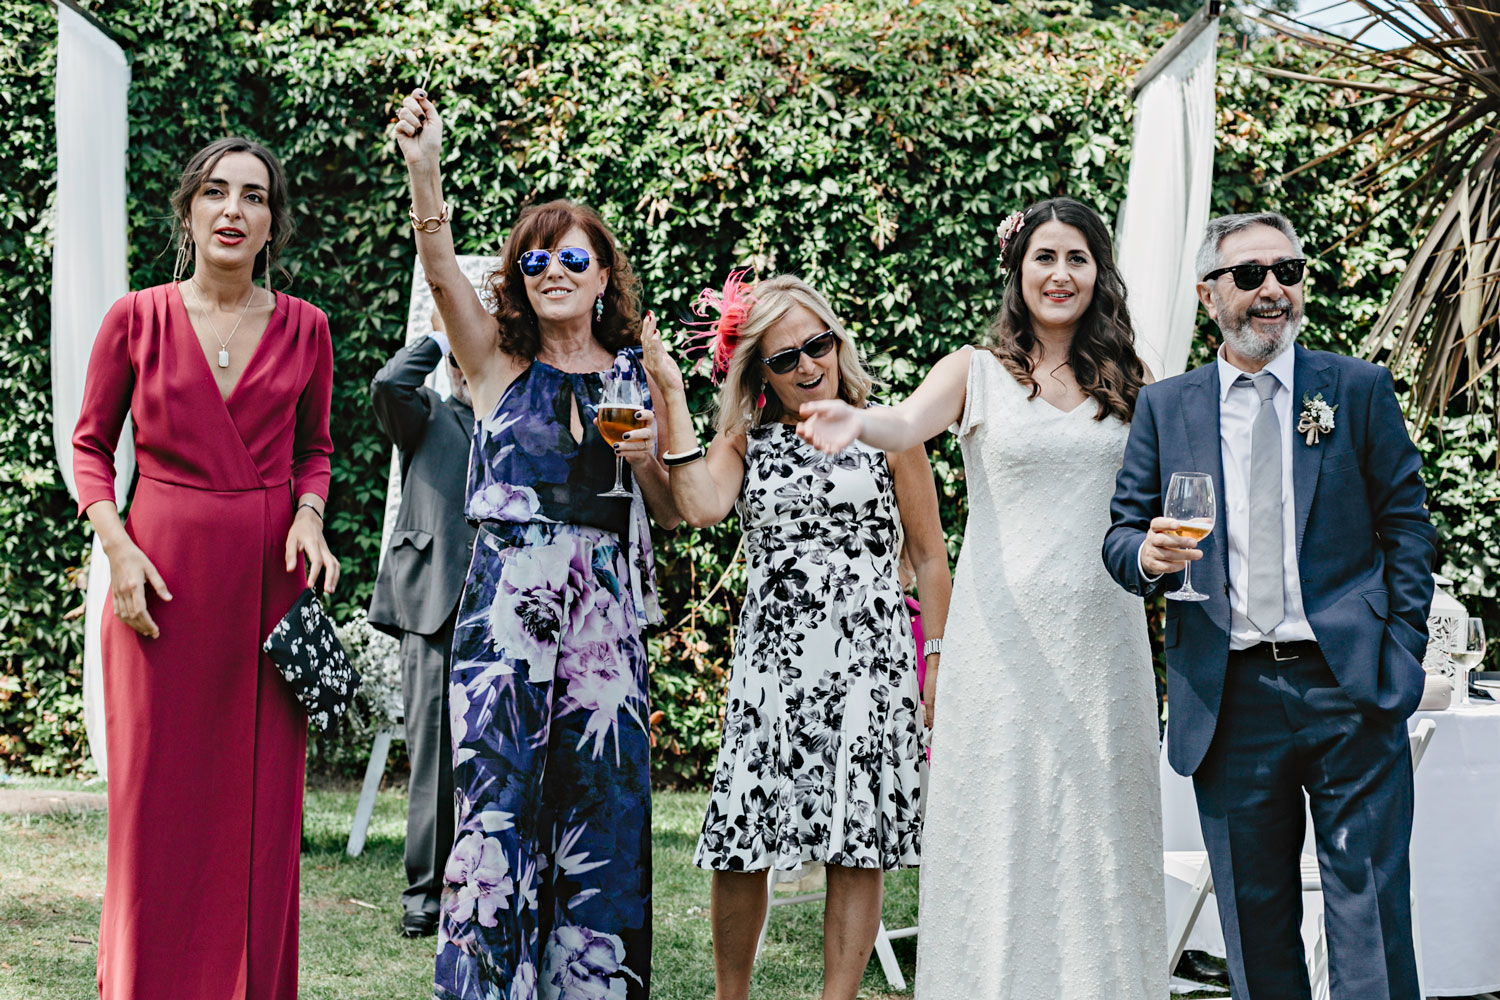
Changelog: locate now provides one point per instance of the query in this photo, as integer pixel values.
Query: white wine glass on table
(1467, 649)
(616, 417)
(1190, 502)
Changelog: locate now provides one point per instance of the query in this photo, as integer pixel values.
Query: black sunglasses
(534, 262)
(1249, 277)
(784, 361)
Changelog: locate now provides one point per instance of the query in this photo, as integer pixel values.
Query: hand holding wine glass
(1190, 502)
(620, 413)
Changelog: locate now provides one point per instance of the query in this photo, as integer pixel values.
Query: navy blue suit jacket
(1365, 546)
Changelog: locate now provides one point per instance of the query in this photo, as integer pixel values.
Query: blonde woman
(821, 758)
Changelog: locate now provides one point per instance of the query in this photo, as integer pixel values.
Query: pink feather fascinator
(720, 334)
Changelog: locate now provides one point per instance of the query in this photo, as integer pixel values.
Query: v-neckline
(254, 354)
(1059, 410)
(1039, 397)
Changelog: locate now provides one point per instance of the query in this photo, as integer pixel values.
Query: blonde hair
(770, 301)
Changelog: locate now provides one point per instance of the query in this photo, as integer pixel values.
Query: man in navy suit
(1300, 669)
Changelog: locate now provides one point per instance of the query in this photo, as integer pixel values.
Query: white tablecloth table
(1455, 853)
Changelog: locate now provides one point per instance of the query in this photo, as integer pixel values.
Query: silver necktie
(1267, 601)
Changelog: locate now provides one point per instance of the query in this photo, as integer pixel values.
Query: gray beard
(1243, 341)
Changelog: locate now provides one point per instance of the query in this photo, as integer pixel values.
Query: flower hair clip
(1007, 230)
(721, 335)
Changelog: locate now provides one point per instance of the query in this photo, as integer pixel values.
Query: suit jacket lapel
(1200, 415)
(1309, 378)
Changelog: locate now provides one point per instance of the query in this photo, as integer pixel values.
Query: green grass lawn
(52, 880)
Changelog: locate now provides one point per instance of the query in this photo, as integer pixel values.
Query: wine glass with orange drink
(616, 417)
(1190, 502)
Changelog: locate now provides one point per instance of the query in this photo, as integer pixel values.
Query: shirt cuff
(1147, 577)
(442, 340)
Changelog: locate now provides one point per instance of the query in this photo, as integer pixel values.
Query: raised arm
(704, 490)
(830, 425)
(642, 449)
(471, 329)
(401, 407)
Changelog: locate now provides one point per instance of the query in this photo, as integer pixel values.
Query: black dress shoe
(1200, 968)
(418, 925)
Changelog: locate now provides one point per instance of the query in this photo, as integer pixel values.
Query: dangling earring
(760, 403)
(599, 307)
(182, 257)
(268, 265)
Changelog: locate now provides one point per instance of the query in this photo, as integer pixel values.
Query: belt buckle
(1276, 653)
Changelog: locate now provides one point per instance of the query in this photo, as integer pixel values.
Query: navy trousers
(1284, 727)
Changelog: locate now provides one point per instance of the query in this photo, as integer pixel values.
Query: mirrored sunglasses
(784, 361)
(1249, 277)
(534, 262)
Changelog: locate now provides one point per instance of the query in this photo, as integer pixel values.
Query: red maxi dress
(206, 741)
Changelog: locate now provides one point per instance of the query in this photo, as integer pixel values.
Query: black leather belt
(1281, 652)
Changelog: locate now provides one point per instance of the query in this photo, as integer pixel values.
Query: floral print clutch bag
(309, 655)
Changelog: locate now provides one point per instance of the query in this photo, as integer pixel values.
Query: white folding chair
(1192, 868)
(883, 937)
(374, 771)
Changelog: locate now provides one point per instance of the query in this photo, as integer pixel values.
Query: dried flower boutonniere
(1317, 417)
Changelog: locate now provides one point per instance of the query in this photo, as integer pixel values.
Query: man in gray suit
(417, 592)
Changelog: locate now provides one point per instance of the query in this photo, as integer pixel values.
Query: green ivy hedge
(870, 145)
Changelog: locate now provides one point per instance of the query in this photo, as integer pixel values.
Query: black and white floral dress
(821, 758)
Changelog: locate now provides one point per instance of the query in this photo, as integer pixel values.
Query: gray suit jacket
(422, 576)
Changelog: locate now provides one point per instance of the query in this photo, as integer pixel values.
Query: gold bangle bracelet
(431, 224)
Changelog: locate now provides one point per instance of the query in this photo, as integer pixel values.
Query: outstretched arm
(831, 425)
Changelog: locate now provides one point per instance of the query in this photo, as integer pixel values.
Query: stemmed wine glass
(1467, 649)
(1190, 502)
(616, 417)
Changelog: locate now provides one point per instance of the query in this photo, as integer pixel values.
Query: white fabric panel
(1167, 203)
(88, 276)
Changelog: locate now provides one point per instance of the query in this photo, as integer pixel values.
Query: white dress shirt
(1238, 407)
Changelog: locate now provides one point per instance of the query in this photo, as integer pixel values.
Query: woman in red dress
(228, 386)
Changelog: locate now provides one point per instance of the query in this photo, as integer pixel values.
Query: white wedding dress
(1041, 856)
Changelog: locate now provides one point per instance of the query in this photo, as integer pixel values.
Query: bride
(1041, 866)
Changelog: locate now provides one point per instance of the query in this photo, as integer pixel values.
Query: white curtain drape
(88, 275)
(1167, 202)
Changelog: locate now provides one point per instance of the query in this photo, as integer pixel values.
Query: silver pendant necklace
(223, 341)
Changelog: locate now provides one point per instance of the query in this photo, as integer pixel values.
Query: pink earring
(760, 404)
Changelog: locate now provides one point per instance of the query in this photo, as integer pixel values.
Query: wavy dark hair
(539, 228)
(1103, 351)
(201, 167)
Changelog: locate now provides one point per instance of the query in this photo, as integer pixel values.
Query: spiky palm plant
(1439, 147)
